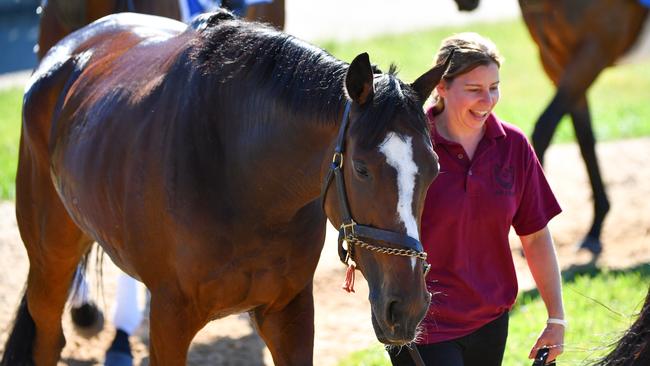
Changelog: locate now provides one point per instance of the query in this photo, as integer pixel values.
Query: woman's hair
(467, 51)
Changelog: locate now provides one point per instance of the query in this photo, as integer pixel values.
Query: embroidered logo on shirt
(505, 179)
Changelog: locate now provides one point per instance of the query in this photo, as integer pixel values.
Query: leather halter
(350, 231)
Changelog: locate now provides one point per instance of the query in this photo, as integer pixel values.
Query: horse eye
(360, 169)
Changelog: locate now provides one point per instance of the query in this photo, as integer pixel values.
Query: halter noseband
(354, 233)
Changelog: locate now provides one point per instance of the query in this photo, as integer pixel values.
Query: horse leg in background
(127, 316)
(55, 246)
(173, 323)
(289, 333)
(585, 136)
(572, 84)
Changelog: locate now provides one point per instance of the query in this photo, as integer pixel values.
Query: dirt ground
(343, 320)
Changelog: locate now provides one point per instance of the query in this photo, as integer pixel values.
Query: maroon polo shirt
(468, 212)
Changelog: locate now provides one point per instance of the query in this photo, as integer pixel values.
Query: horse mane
(244, 58)
(292, 77)
(634, 347)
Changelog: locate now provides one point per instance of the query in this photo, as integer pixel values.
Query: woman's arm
(542, 261)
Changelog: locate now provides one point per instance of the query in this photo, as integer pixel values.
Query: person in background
(192, 8)
(490, 180)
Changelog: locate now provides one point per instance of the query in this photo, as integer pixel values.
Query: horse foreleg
(289, 333)
(585, 136)
(174, 322)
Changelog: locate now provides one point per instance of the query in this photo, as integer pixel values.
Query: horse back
(99, 43)
(77, 87)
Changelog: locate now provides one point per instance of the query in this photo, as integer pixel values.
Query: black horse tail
(18, 348)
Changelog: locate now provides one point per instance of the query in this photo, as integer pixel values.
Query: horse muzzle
(396, 321)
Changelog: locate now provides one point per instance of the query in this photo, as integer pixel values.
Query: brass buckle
(349, 226)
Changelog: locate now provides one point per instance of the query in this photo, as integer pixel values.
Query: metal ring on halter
(337, 160)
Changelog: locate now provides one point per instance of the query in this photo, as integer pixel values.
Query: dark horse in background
(61, 17)
(577, 40)
(205, 160)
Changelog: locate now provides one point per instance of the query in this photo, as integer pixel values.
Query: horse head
(382, 167)
(467, 5)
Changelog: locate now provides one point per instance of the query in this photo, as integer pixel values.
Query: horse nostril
(392, 313)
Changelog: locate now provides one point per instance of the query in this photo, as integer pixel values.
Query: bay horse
(206, 160)
(577, 40)
(59, 18)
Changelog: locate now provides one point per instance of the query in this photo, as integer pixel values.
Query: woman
(490, 180)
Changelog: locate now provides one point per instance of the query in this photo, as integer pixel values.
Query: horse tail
(18, 348)
(86, 315)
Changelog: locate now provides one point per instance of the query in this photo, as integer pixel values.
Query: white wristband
(561, 322)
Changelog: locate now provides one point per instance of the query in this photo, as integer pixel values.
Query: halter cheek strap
(350, 231)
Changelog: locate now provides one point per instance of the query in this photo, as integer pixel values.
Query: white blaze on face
(399, 155)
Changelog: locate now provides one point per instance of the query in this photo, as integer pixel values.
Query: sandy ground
(343, 320)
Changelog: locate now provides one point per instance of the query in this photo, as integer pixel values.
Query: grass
(620, 107)
(10, 104)
(597, 315)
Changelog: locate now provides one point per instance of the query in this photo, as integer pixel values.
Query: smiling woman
(491, 180)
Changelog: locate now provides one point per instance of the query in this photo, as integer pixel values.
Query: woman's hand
(552, 337)
(542, 261)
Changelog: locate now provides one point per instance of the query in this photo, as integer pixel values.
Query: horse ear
(425, 84)
(358, 80)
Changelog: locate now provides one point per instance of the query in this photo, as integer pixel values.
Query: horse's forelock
(394, 102)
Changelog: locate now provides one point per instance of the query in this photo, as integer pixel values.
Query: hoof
(88, 320)
(116, 358)
(592, 245)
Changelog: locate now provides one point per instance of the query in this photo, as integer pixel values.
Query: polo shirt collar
(494, 127)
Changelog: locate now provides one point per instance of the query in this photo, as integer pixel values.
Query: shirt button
(460, 156)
